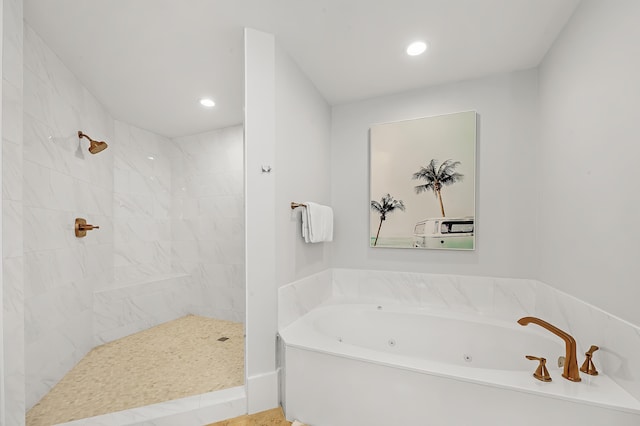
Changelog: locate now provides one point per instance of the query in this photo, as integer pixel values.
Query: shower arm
(84, 135)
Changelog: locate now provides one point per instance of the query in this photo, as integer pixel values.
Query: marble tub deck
(172, 360)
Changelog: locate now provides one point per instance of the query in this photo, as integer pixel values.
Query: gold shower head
(96, 146)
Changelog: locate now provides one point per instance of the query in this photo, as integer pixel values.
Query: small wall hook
(266, 169)
(81, 227)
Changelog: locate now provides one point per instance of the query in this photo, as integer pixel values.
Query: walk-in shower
(161, 279)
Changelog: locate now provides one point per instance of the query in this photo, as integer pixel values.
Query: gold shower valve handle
(81, 227)
(541, 372)
(588, 366)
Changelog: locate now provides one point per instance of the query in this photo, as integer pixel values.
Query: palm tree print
(437, 177)
(386, 205)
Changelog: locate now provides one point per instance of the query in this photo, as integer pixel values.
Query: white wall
(207, 219)
(506, 184)
(259, 106)
(588, 158)
(303, 131)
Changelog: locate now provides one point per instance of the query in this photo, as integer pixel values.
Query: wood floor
(273, 417)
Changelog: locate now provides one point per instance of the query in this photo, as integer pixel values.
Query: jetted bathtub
(355, 364)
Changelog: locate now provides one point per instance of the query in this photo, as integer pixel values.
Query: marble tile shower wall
(12, 404)
(61, 181)
(142, 197)
(207, 218)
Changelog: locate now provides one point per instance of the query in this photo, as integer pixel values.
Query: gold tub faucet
(571, 371)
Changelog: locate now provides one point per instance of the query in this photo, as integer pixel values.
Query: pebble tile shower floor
(173, 360)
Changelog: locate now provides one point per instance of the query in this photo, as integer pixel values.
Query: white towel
(317, 223)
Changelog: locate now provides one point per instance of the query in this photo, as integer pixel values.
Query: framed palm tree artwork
(423, 183)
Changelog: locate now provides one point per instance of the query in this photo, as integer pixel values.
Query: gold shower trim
(587, 366)
(81, 227)
(96, 146)
(541, 372)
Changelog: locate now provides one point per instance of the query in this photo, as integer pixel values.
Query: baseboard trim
(262, 392)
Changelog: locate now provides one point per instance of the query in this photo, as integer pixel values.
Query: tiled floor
(273, 417)
(173, 360)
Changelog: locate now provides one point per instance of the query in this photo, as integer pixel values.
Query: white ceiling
(150, 61)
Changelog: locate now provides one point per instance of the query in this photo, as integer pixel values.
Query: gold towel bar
(294, 205)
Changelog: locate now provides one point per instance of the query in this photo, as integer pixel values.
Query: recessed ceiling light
(207, 102)
(416, 48)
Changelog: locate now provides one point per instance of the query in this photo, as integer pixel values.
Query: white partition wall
(287, 128)
(260, 217)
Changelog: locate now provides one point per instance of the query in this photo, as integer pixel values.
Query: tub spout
(571, 371)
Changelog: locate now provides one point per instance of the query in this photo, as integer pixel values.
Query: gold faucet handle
(541, 372)
(588, 366)
(81, 227)
(591, 350)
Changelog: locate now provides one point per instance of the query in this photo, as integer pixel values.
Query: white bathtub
(391, 365)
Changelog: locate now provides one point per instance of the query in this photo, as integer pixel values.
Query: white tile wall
(506, 298)
(299, 297)
(119, 312)
(61, 181)
(142, 196)
(12, 316)
(207, 219)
